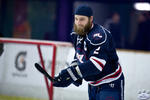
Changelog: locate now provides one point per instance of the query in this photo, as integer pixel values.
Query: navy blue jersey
(96, 56)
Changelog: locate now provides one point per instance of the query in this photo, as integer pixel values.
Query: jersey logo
(80, 57)
(79, 39)
(112, 85)
(97, 35)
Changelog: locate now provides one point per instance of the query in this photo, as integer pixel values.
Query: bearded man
(95, 59)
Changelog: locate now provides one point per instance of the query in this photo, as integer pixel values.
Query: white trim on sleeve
(99, 63)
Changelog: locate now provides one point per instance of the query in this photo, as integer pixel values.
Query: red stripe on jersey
(101, 64)
(116, 74)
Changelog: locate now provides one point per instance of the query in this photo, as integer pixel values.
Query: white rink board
(28, 76)
(24, 82)
(135, 66)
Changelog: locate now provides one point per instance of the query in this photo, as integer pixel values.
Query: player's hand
(66, 77)
(79, 81)
(63, 79)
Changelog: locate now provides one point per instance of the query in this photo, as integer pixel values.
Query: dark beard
(83, 31)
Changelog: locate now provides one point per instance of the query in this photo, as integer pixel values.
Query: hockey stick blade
(40, 69)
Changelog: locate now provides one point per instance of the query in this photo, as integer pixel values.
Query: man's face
(82, 24)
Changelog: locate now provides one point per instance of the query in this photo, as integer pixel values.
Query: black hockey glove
(78, 82)
(66, 77)
(63, 79)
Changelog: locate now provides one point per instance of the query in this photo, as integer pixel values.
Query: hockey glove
(78, 82)
(63, 79)
(66, 77)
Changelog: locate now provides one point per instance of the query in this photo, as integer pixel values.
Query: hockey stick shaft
(40, 69)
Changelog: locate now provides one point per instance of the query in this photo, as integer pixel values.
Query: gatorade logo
(20, 62)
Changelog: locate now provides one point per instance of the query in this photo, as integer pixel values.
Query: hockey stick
(40, 69)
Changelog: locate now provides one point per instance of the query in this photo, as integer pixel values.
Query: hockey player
(95, 59)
